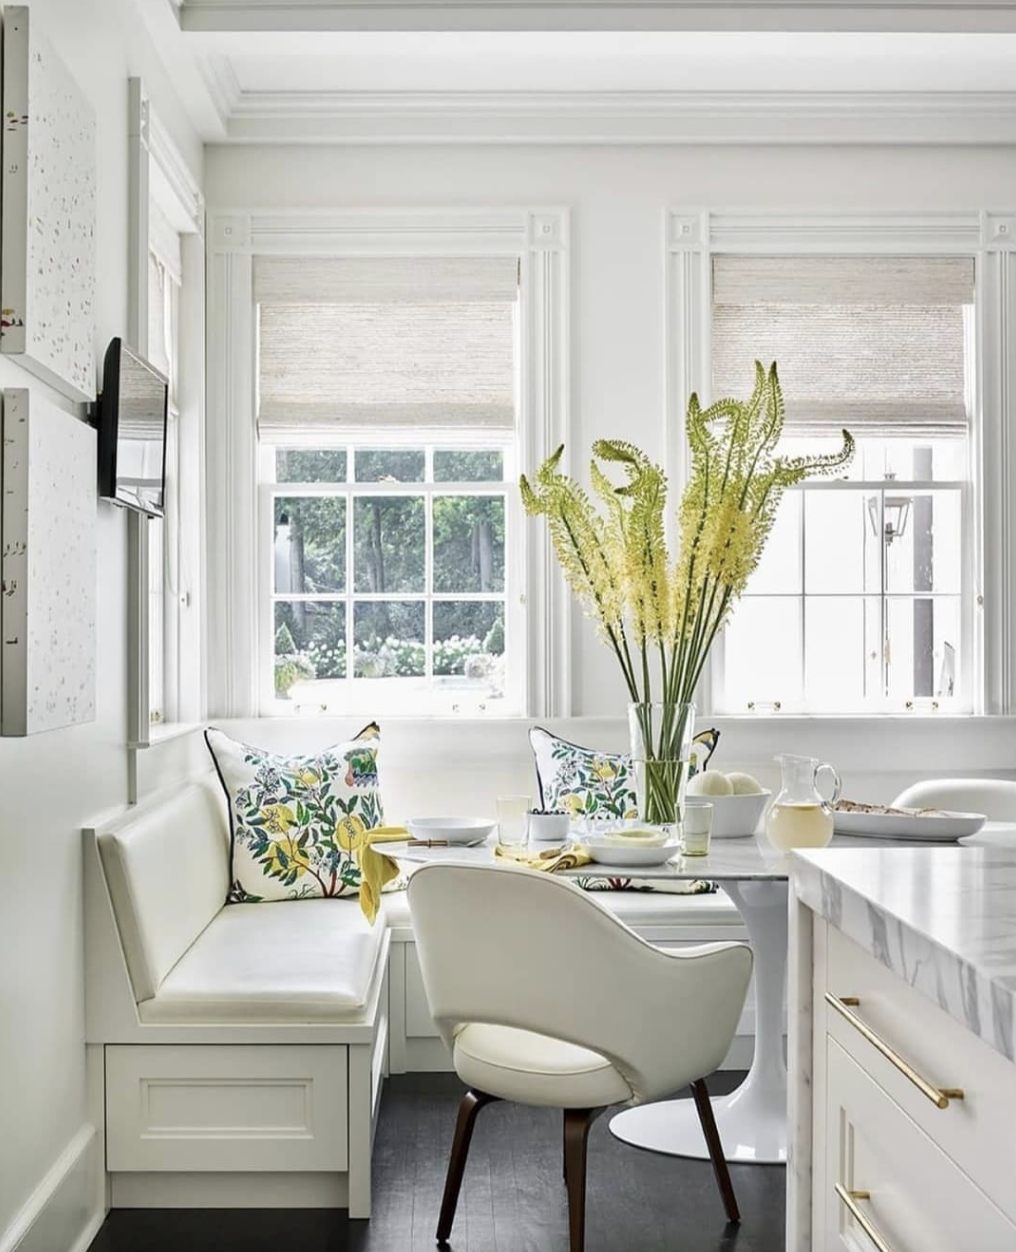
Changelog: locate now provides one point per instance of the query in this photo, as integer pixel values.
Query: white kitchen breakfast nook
(507, 618)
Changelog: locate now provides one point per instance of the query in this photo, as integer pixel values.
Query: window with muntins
(863, 598)
(387, 399)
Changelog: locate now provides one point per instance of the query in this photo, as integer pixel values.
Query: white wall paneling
(47, 529)
(539, 237)
(48, 275)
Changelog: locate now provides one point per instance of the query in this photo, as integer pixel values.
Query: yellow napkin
(376, 869)
(548, 861)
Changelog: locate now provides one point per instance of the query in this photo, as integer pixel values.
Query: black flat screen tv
(131, 421)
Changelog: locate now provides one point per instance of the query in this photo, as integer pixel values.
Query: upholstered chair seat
(546, 998)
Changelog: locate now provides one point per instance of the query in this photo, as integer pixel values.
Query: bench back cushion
(168, 874)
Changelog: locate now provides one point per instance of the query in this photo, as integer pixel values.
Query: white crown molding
(614, 117)
(410, 15)
(177, 173)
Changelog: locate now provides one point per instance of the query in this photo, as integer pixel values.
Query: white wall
(617, 197)
(51, 784)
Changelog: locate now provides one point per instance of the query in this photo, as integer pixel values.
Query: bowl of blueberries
(548, 825)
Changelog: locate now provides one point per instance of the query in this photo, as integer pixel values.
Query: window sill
(163, 732)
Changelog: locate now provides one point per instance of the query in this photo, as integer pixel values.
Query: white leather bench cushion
(294, 960)
(634, 908)
(167, 870)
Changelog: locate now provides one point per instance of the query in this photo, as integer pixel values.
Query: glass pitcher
(800, 816)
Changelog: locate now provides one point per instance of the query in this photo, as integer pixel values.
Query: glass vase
(661, 737)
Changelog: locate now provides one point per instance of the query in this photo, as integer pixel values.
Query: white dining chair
(546, 998)
(994, 797)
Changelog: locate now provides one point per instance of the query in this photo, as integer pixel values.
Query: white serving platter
(924, 827)
(631, 857)
(457, 830)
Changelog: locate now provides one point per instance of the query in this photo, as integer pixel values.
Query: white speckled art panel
(48, 567)
(47, 277)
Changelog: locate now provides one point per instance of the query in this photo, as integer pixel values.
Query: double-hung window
(863, 598)
(390, 565)
(165, 278)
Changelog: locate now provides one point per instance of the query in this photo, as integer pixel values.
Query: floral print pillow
(590, 785)
(295, 820)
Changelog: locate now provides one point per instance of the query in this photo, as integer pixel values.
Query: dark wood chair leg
(576, 1135)
(705, 1111)
(471, 1104)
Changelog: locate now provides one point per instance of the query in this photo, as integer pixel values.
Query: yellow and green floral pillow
(295, 820)
(590, 785)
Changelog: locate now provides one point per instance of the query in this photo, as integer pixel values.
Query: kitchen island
(902, 1019)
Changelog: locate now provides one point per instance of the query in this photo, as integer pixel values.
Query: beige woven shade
(385, 343)
(874, 344)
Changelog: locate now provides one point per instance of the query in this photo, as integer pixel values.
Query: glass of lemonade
(800, 816)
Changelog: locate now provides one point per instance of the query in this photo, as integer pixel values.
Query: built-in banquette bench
(236, 1054)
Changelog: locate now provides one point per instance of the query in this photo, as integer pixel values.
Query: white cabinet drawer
(225, 1108)
(975, 1131)
(917, 1200)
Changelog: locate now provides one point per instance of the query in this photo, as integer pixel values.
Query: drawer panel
(184, 1108)
(976, 1132)
(918, 1199)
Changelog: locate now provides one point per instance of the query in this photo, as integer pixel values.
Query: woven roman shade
(363, 342)
(875, 344)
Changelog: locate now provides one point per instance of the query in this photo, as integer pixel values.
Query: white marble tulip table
(752, 1120)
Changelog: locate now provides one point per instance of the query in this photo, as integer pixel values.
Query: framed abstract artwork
(47, 267)
(47, 567)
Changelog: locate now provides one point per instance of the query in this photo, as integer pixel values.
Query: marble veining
(942, 918)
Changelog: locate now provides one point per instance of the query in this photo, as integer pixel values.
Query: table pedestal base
(752, 1120)
(752, 1125)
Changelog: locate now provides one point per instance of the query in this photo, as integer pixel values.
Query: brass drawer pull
(939, 1096)
(850, 1199)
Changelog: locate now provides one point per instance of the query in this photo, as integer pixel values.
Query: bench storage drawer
(227, 1108)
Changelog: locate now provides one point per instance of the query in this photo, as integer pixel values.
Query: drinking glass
(696, 827)
(512, 823)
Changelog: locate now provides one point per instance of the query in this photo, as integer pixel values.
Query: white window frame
(237, 637)
(157, 173)
(693, 236)
(424, 704)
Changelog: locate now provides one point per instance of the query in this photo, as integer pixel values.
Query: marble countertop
(942, 917)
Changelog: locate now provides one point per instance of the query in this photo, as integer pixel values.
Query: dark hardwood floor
(513, 1199)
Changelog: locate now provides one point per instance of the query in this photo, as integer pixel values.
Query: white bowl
(631, 856)
(451, 829)
(736, 816)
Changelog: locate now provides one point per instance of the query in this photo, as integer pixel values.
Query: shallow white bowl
(631, 856)
(451, 829)
(736, 816)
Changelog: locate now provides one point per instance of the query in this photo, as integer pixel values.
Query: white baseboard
(229, 1191)
(65, 1210)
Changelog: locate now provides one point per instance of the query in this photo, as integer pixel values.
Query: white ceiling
(254, 71)
(628, 61)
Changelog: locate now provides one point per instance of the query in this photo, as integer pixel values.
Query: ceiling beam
(578, 15)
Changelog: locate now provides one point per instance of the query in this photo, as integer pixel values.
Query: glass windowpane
(779, 570)
(923, 645)
(388, 465)
(310, 647)
(480, 466)
(839, 544)
(310, 465)
(763, 652)
(926, 557)
(389, 544)
(388, 639)
(309, 553)
(468, 543)
(835, 662)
